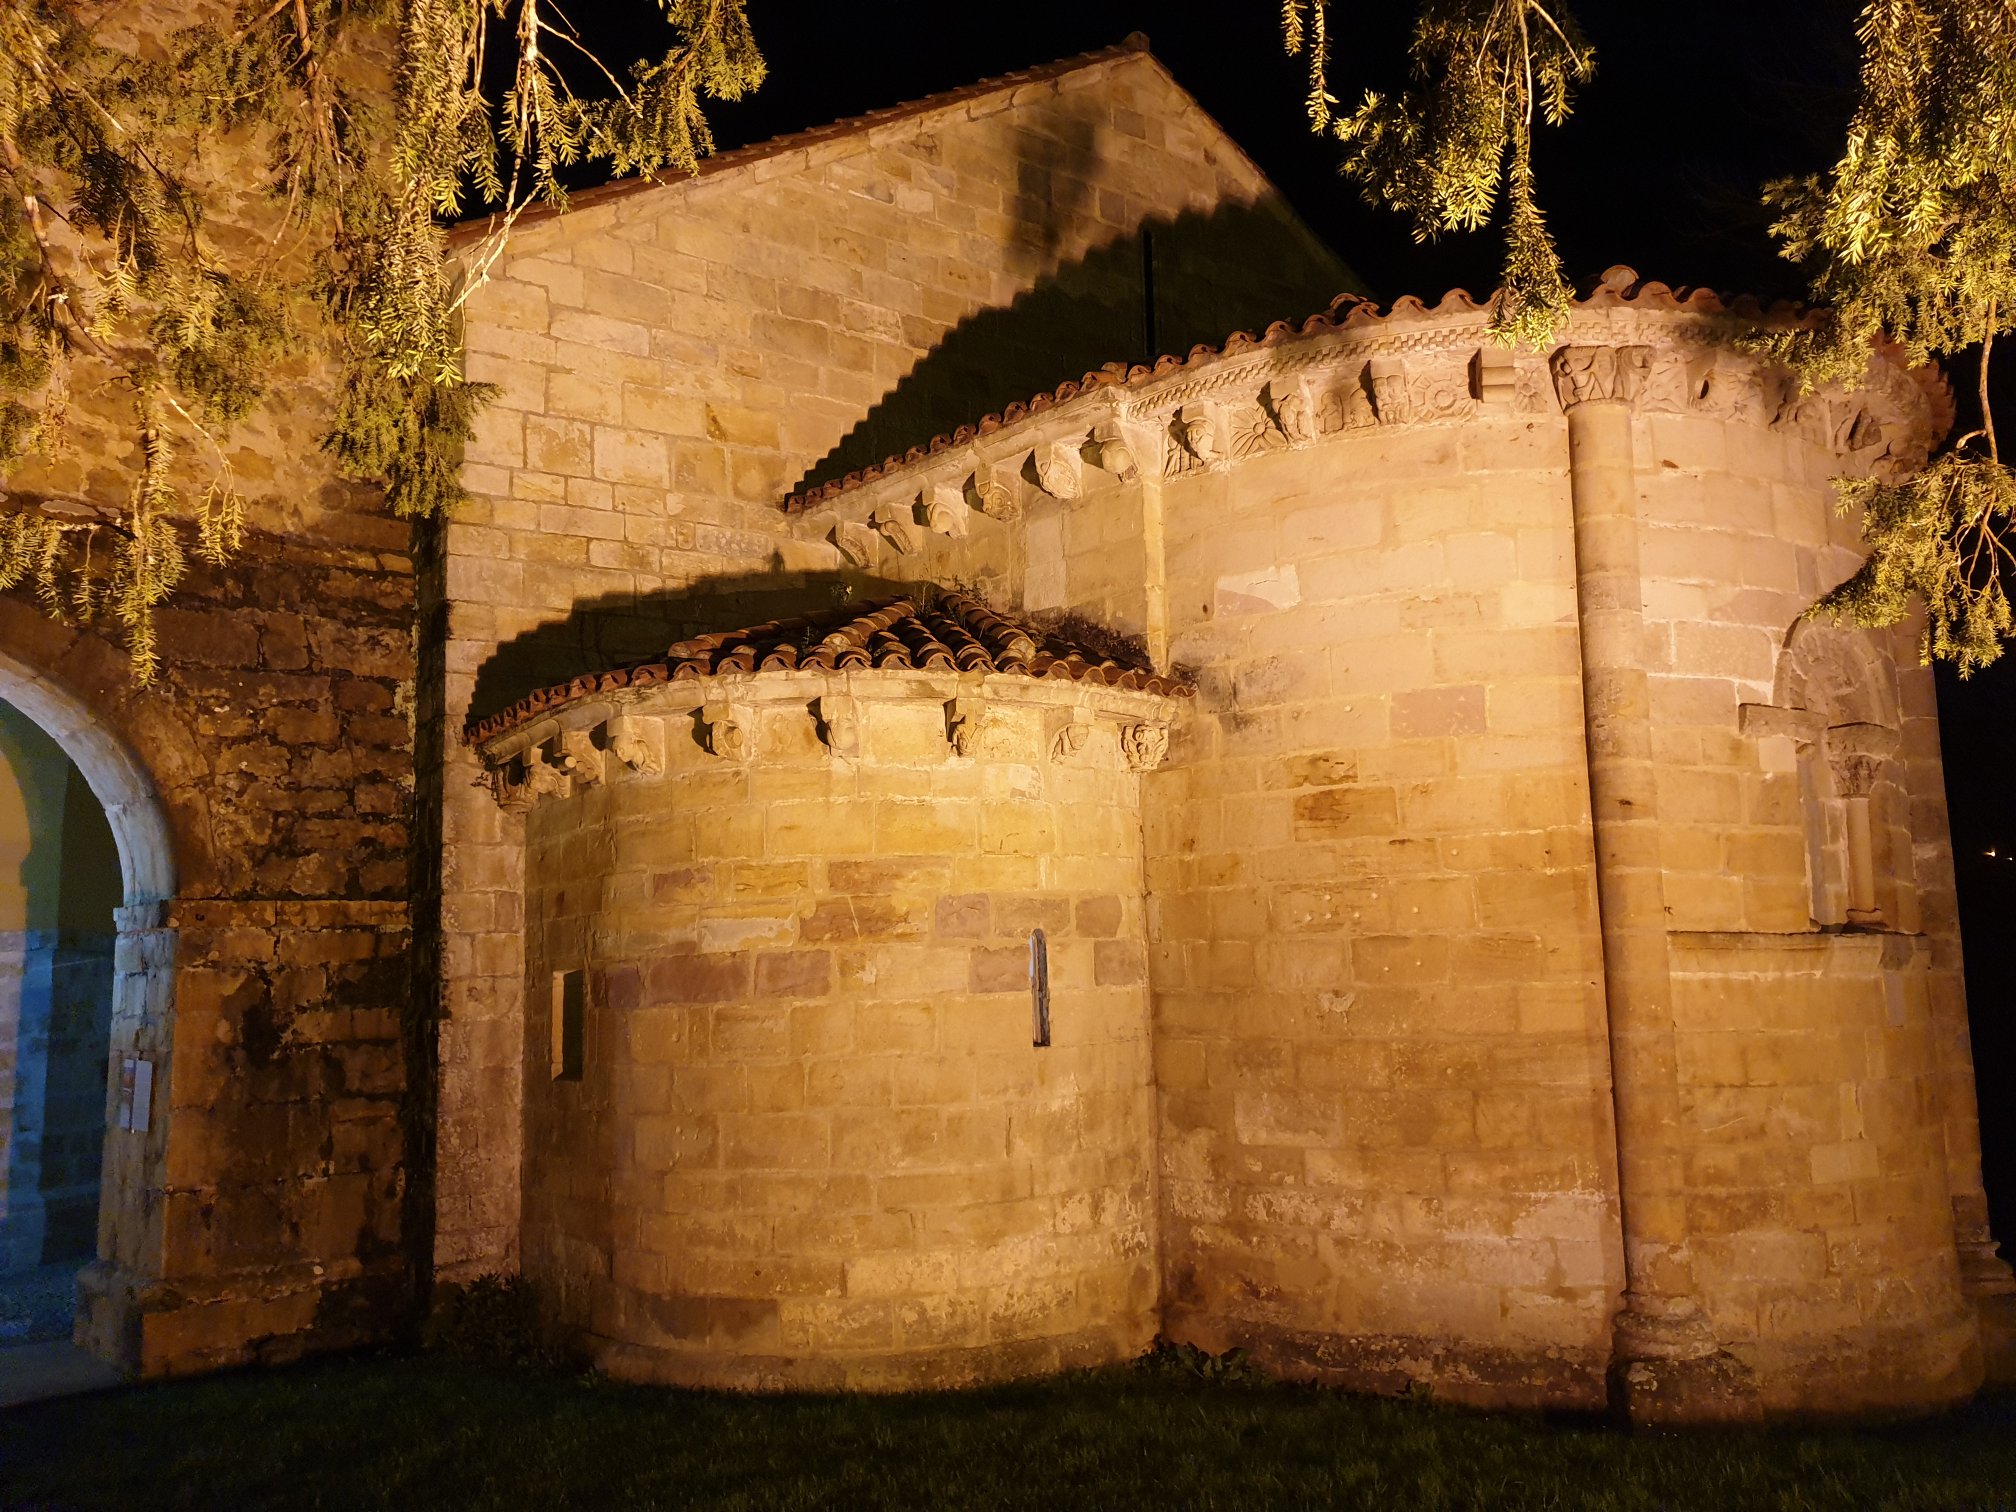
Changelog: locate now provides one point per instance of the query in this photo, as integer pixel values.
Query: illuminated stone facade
(1528, 965)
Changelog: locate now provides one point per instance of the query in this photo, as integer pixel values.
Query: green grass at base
(421, 1433)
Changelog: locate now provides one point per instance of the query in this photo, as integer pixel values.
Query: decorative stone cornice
(631, 734)
(1356, 368)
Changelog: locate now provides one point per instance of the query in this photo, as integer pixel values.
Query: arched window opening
(1842, 710)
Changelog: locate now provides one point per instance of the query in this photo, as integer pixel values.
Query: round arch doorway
(86, 983)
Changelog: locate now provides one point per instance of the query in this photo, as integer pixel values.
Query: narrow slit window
(1039, 989)
(568, 1002)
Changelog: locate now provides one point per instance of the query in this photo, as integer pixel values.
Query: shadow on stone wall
(1166, 288)
(617, 630)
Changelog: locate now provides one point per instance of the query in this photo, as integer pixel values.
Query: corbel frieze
(1298, 394)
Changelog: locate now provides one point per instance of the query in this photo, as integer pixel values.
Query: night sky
(1692, 108)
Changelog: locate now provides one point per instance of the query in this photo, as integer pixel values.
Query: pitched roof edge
(944, 632)
(744, 158)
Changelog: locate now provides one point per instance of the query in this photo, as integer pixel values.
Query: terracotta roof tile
(1620, 287)
(950, 633)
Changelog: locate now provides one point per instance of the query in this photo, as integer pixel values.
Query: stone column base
(1704, 1391)
(1998, 1338)
(111, 1304)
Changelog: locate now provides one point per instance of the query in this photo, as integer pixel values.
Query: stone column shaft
(1661, 1319)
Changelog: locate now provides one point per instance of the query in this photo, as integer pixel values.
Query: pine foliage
(1912, 239)
(1460, 138)
(110, 272)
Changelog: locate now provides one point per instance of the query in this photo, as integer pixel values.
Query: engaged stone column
(1665, 1362)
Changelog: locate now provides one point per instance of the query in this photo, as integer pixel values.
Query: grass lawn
(414, 1433)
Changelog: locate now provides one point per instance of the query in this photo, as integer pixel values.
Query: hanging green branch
(108, 275)
(1912, 239)
(1461, 137)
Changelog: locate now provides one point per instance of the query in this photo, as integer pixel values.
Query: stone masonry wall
(1385, 1111)
(811, 1143)
(673, 360)
(260, 1214)
(1814, 1096)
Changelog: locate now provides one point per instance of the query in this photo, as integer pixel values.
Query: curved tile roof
(1621, 287)
(952, 632)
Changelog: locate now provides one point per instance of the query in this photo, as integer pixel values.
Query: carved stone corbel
(512, 797)
(1288, 400)
(638, 741)
(1071, 733)
(963, 719)
(1059, 469)
(856, 543)
(1494, 376)
(1196, 426)
(987, 492)
(542, 778)
(897, 525)
(1144, 745)
(1387, 377)
(1115, 451)
(839, 721)
(1600, 374)
(946, 511)
(580, 757)
(725, 731)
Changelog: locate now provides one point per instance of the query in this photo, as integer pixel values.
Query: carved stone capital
(1600, 374)
(512, 797)
(1856, 754)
